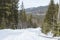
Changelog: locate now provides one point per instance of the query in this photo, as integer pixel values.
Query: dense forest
(12, 18)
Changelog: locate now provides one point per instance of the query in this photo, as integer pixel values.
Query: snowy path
(23, 34)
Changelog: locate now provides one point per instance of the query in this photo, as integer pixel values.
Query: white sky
(35, 3)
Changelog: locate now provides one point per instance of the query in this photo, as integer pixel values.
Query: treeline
(50, 21)
(25, 21)
(11, 18)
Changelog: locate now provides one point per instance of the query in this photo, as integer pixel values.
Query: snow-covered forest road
(24, 34)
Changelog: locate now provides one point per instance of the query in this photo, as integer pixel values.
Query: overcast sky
(35, 3)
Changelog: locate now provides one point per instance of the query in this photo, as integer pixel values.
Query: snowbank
(24, 34)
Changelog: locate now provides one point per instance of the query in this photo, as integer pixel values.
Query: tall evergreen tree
(50, 18)
(30, 21)
(15, 12)
(1, 12)
(57, 27)
(23, 16)
(23, 13)
(4, 11)
(8, 11)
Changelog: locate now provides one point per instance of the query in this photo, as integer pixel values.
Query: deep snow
(25, 34)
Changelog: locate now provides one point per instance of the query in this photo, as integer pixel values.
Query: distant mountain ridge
(37, 10)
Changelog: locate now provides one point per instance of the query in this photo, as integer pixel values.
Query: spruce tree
(15, 12)
(4, 11)
(50, 21)
(23, 13)
(57, 27)
(23, 16)
(31, 24)
(30, 21)
(8, 12)
(1, 12)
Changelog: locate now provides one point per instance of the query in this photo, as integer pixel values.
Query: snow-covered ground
(25, 34)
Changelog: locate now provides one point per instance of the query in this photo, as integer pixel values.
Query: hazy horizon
(35, 3)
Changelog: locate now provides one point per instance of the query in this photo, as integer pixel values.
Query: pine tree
(7, 11)
(23, 13)
(4, 11)
(1, 12)
(15, 12)
(31, 24)
(50, 21)
(57, 28)
(23, 16)
(30, 21)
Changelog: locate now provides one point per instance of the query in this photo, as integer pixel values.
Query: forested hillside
(37, 10)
